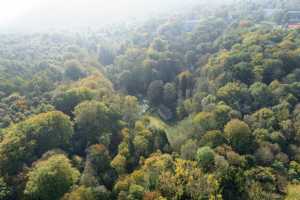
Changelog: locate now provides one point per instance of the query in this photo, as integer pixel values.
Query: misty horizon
(55, 14)
(47, 15)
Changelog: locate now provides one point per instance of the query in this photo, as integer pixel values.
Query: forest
(203, 105)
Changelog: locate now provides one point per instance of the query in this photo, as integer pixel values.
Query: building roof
(294, 26)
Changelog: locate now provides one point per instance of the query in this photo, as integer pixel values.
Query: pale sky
(42, 13)
(12, 9)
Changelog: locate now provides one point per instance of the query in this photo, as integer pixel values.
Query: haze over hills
(56, 14)
(79, 13)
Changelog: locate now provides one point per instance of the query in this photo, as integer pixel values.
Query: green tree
(106, 55)
(66, 101)
(205, 121)
(80, 193)
(222, 114)
(99, 156)
(130, 109)
(294, 171)
(169, 94)
(243, 72)
(261, 95)
(5, 191)
(272, 70)
(268, 180)
(239, 135)
(28, 140)
(95, 123)
(212, 139)
(263, 118)
(97, 167)
(235, 95)
(155, 92)
(136, 192)
(50, 179)
(206, 158)
(159, 44)
(264, 155)
(185, 83)
(73, 70)
(188, 150)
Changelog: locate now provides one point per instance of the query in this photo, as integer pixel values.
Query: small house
(293, 19)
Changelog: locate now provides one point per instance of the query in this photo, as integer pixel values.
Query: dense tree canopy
(201, 105)
(95, 122)
(51, 178)
(26, 141)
